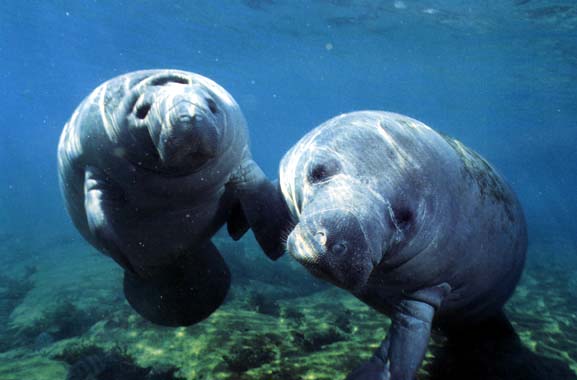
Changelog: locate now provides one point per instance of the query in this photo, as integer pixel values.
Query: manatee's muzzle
(189, 135)
(335, 245)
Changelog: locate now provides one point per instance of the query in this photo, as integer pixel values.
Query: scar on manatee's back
(478, 169)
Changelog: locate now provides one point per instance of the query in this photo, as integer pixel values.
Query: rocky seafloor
(63, 316)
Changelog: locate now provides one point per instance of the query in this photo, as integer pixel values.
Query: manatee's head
(348, 217)
(176, 122)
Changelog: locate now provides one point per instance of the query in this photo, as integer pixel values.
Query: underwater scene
(231, 274)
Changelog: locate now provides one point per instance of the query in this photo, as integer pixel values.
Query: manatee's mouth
(302, 246)
(168, 172)
(195, 163)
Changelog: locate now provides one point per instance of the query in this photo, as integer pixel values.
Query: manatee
(151, 165)
(411, 222)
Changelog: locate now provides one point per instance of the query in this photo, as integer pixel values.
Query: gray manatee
(411, 222)
(151, 164)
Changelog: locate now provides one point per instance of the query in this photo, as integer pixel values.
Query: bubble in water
(430, 11)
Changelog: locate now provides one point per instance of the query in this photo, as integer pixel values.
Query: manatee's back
(495, 250)
(476, 235)
(480, 236)
(470, 233)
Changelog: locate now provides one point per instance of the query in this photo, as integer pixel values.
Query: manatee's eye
(404, 217)
(321, 172)
(142, 110)
(212, 105)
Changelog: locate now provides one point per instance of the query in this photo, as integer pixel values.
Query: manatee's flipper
(402, 352)
(377, 368)
(102, 201)
(263, 206)
(183, 293)
(236, 223)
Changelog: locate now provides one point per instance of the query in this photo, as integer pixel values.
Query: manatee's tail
(183, 293)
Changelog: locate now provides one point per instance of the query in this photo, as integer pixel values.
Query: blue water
(501, 76)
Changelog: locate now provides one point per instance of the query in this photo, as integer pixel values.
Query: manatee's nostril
(339, 249)
(321, 238)
(186, 119)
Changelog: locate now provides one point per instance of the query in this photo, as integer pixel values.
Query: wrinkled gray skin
(151, 165)
(412, 223)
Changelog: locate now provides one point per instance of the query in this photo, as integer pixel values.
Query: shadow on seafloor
(493, 354)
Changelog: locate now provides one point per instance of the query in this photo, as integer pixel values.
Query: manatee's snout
(189, 134)
(337, 246)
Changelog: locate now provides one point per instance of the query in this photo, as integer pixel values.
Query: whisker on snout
(285, 233)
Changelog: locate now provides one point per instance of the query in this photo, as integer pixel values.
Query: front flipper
(102, 202)
(377, 368)
(401, 353)
(263, 208)
(183, 293)
(236, 223)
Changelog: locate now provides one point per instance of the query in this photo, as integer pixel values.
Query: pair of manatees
(411, 222)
